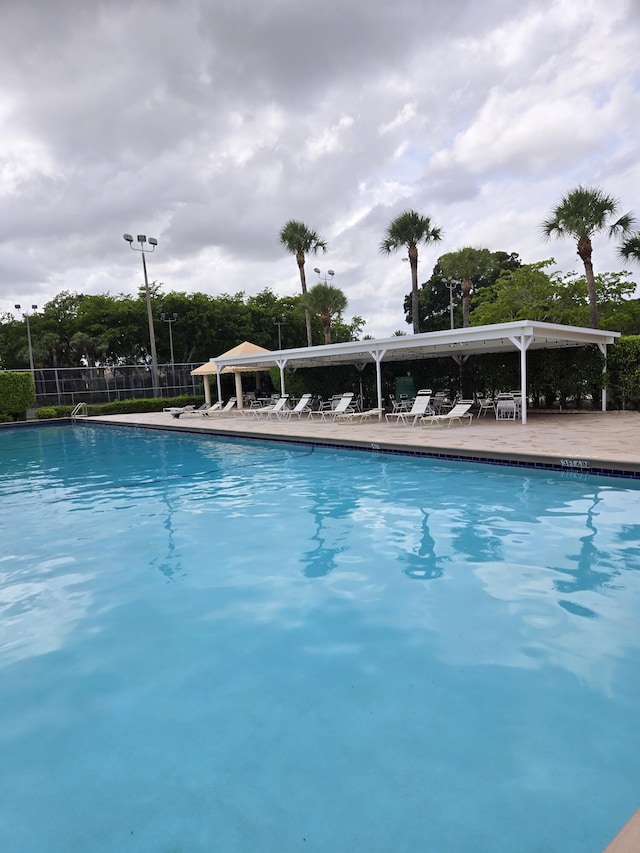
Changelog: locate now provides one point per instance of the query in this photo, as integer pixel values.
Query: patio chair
(266, 411)
(343, 405)
(302, 407)
(419, 408)
(358, 417)
(486, 404)
(459, 411)
(396, 405)
(506, 407)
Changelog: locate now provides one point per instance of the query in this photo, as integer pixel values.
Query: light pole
(152, 337)
(451, 303)
(26, 317)
(324, 278)
(170, 319)
(278, 321)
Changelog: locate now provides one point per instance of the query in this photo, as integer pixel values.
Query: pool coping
(573, 466)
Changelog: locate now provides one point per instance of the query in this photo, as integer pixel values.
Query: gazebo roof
(245, 348)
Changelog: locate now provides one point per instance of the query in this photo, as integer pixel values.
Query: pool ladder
(80, 411)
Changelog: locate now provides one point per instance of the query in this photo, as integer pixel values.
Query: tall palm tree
(407, 230)
(299, 240)
(326, 302)
(630, 248)
(581, 214)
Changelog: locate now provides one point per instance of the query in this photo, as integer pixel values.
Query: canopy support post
(282, 363)
(523, 342)
(603, 398)
(377, 355)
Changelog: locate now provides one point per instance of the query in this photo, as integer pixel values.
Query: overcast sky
(209, 123)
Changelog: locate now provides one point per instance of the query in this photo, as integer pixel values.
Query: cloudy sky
(209, 123)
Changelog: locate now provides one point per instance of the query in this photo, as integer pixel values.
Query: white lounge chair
(358, 417)
(267, 411)
(419, 408)
(459, 411)
(302, 407)
(223, 410)
(204, 410)
(343, 404)
(176, 411)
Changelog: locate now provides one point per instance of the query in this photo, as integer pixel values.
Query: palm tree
(326, 302)
(299, 240)
(407, 230)
(582, 213)
(630, 249)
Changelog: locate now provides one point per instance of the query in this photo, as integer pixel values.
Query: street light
(170, 320)
(26, 317)
(278, 321)
(323, 278)
(152, 337)
(451, 302)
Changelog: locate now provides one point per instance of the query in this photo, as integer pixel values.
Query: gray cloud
(209, 124)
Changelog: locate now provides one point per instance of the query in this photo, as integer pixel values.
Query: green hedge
(122, 407)
(17, 394)
(623, 370)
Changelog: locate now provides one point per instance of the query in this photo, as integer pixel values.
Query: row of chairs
(342, 408)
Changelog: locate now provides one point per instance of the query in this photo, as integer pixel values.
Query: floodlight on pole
(322, 277)
(278, 321)
(26, 317)
(142, 239)
(170, 319)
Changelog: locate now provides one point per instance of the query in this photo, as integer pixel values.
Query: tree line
(471, 286)
(74, 329)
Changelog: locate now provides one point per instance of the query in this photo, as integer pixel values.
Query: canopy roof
(520, 336)
(500, 337)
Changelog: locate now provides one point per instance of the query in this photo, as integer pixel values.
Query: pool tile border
(538, 463)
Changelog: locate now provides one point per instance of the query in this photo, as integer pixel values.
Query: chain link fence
(68, 386)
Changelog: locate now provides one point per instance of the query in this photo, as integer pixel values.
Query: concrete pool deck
(596, 441)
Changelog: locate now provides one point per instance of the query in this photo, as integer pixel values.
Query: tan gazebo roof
(245, 348)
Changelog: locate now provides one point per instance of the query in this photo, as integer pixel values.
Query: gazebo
(210, 367)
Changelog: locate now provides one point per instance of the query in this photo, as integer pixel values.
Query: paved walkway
(607, 441)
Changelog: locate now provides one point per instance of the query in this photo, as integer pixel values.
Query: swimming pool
(211, 644)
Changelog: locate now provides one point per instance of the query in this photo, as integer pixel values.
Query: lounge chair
(176, 411)
(459, 411)
(223, 410)
(204, 410)
(342, 406)
(302, 407)
(358, 417)
(266, 411)
(419, 408)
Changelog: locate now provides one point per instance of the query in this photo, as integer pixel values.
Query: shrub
(46, 413)
(144, 404)
(17, 394)
(623, 372)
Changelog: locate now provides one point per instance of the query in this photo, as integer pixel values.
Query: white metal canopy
(521, 335)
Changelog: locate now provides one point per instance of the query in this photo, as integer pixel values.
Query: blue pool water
(212, 645)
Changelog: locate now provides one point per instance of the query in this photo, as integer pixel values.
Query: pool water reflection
(236, 645)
